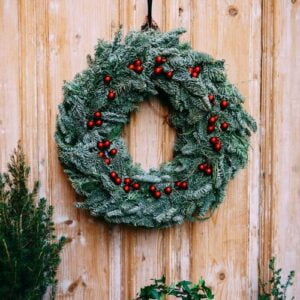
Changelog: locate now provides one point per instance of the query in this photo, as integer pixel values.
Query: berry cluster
(136, 66)
(194, 71)
(105, 152)
(216, 143)
(206, 168)
(181, 185)
(115, 178)
(212, 124)
(159, 70)
(157, 193)
(128, 184)
(111, 95)
(96, 120)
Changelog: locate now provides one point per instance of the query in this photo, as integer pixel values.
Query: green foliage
(275, 288)
(183, 289)
(29, 254)
(190, 108)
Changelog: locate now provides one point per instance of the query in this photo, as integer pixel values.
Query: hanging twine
(149, 22)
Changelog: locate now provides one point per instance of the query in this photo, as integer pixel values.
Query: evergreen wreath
(212, 130)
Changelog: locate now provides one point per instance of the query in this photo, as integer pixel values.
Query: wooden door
(44, 42)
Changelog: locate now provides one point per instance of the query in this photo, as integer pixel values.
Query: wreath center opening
(149, 137)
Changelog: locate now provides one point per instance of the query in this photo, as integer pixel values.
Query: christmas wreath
(212, 130)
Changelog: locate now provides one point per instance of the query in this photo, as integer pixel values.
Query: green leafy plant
(29, 251)
(275, 288)
(183, 289)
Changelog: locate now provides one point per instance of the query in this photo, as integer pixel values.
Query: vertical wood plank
(9, 80)
(281, 157)
(73, 30)
(267, 123)
(29, 103)
(220, 246)
(177, 238)
(143, 256)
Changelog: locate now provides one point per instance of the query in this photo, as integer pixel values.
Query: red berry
(136, 186)
(184, 185)
(169, 74)
(194, 74)
(197, 69)
(127, 181)
(217, 147)
(139, 69)
(131, 67)
(137, 62)
(97, 115)
(168, 190)
(214, 140)
(118, 180)
(211, 128)
(106, 144)
(157, 194)
(224, 104)
(107, 161)
(158, 70)
(107, 79)
(208, 171)
(111, 95)
(224, 126)
(211, 97)
(126, 188)
(190, 69)
(100, 145)
(101, 154)
(163, 60)
(113, 175)
(202, 167)
(90, 124)
(212, 119)
(113, 152)
(152, 188)
(98, 123)
(158, 60)
(177, 184)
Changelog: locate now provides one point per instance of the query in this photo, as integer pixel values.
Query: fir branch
(274, 288)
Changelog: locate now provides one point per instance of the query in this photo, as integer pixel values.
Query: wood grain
(281, 155)
(222, 247)
(10, 119)
(45, 42)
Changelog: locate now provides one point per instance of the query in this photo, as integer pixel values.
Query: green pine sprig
(274, 288)
(29, 250)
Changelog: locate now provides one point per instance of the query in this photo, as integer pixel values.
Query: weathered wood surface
(44, 42)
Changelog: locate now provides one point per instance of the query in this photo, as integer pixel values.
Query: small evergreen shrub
(29, 250)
